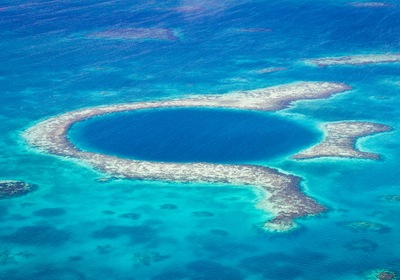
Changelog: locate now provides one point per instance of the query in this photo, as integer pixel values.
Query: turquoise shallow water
(75, 227)
(193, 135)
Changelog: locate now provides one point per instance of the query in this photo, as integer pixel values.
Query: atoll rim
(282, 198)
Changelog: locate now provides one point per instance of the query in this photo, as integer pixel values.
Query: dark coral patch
(390, 198)
(281, 266)
(130, 216)
(108, 212)
(18, 217)
(171, 275)
(168, 206)
(104, 249)
(381, 274)
(204, 269)
(273, 266)
(364, 245)
(138, 234)
(26, 204)
(386, 275)
(202, 214)
(366, 226)
(50, 271)
(3, 211)
(7, 257)
(219, 232)
(10, 188)
(49, 212)
(38, 235)
(148, 258)
(75, 258)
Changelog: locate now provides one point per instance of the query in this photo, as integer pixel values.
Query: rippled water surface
(58, 56)
(192, 135)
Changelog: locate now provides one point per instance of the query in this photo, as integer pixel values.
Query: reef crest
(340, 139)
(354, 60)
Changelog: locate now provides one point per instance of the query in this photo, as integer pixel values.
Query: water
(75, 227)
(192, 135)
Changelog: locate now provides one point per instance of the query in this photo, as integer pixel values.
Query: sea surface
(82, 224)
(193, 135)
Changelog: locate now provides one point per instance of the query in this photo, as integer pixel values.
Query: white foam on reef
(355, 60)
(371, 4)
(340, 139)
(283, 198)
(136, 33)
(271, 70)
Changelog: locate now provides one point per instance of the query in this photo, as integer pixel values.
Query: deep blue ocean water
(193, 135)
(75, 227)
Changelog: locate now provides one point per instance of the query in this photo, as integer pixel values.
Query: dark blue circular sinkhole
(192, 135)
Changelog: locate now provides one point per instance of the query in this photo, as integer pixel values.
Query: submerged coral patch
(50, 212)
(136, 34)
(38, 236)
(364, 245)
(130, 216)
(355, 60)
(11, 188)
(366, 226)
(137, 234)
(168, 206)
(390, 198)
(382, 274)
